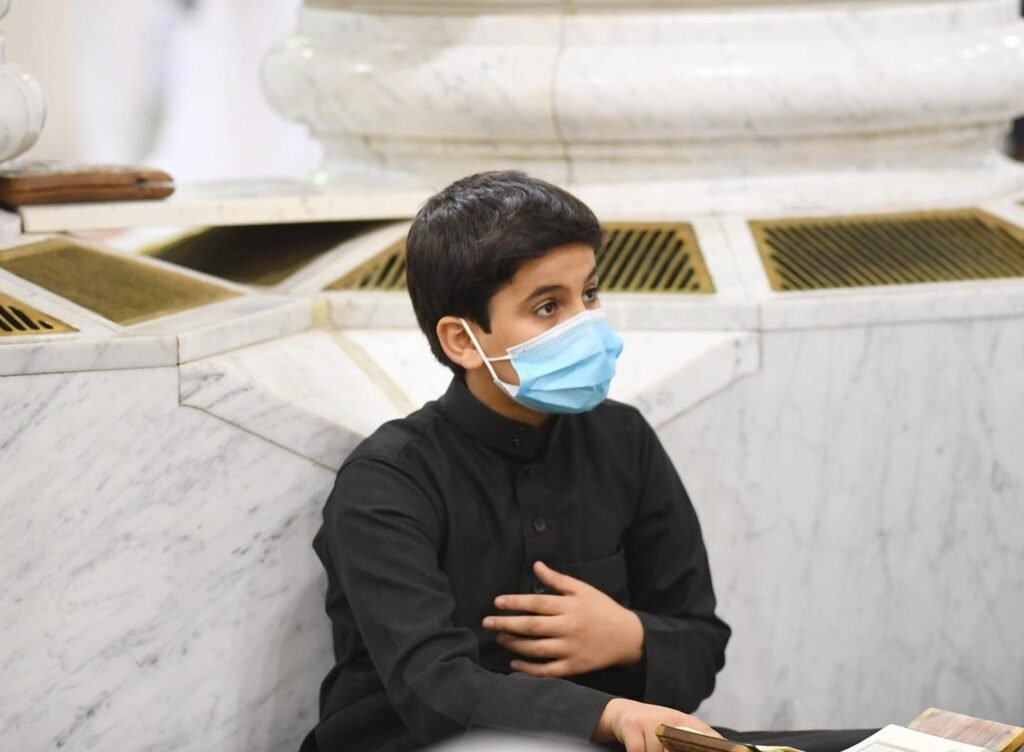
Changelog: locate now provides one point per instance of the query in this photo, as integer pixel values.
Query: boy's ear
(457, 345)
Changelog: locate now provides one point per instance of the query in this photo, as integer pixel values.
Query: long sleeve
(384, 535)
(671, 591)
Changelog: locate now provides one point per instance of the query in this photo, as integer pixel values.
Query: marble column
(22, 104)
(649, 94)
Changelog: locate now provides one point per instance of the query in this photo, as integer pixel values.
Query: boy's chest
(509, 515)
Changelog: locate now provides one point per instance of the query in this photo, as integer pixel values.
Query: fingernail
(488, 622)
(499, 601)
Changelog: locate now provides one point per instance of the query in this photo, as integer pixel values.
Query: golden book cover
(681, 739)
(932, 731)
(997, 737)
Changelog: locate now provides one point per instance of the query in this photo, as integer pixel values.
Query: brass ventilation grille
(257, 254)
(17, 318)
(637, 257)
(890, 249)
(385, 271)
(119, 288)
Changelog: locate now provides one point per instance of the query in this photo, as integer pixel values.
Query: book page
(899, 739)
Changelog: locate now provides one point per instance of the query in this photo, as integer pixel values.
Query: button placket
(536, 544)
(518, 437)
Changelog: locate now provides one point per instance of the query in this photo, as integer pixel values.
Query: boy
(520, 555)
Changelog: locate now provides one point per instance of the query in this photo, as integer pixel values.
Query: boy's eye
(548, 309)
(590, 295)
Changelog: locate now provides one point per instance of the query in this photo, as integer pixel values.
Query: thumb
(557, 581)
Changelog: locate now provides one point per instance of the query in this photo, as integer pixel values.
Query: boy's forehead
(564, 265)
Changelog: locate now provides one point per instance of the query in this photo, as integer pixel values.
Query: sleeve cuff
(524, 704)
(676, 664)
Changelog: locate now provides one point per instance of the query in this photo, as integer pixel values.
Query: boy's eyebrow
(544, 290)
(548, 289)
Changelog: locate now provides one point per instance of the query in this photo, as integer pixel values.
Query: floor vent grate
(637, 257)
(263, 255)
(889, 249)
(17, 318)
(120, 288)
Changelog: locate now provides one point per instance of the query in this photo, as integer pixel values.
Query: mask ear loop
(487, 361)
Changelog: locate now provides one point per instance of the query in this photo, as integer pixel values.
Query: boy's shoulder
(622, 410)
(619, 427)
(391, 442)
(619, 416)
(392, 439)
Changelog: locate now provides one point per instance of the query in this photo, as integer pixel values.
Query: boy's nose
(578, 307)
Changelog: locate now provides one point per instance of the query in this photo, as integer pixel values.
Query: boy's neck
(482, 386)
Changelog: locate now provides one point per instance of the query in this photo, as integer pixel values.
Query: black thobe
(436, 514)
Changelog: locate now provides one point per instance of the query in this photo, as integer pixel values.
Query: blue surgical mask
(567, 369)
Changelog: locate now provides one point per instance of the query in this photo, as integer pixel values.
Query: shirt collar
(492, 429)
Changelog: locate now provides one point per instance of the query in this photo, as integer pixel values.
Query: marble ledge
(318, 393)
(297, 392)
(10, 225)
(663, 373)
(69, 353)
(667, 374)
(632, 194)
(232, 203)
(170, 341)
(622, 196)
(888, 306)
(231, 324)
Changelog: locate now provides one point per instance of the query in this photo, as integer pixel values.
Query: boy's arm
(670, 589)
(383, 536)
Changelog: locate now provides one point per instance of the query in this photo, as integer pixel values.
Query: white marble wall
(159, 588)
(862, 498)
(853, 455)
(859, 490)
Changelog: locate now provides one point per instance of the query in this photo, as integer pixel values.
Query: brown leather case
(60, 183)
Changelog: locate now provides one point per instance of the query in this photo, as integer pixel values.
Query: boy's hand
(633, 724)
(578, 631)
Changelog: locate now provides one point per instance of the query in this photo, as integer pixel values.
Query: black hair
(469, 240)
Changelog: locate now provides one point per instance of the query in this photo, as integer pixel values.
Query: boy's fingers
(528, 626)
(633, 740)
(563, 583)
(548, 605)
(543, 648)
(651, 741)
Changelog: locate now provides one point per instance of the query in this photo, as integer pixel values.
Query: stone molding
(423, 91)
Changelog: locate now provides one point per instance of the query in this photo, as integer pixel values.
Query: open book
(932, 731)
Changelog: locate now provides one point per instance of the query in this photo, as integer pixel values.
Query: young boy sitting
(520, 555)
